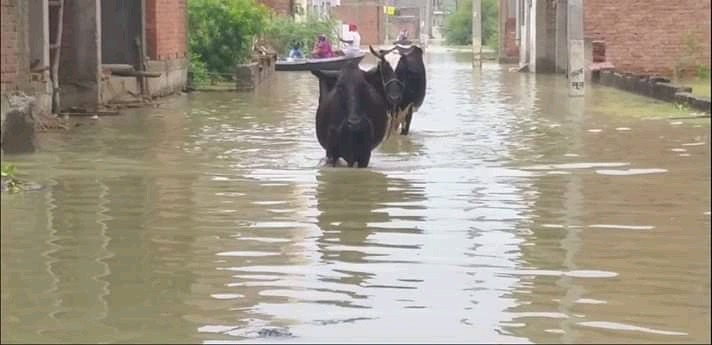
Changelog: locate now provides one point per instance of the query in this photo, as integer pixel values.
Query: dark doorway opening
(121, 26)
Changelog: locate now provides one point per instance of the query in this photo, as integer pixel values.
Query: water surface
(511, 214)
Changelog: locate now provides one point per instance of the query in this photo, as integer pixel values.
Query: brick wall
(511, 49)
(367, 16)
(649, 37)
(166, 29)
(280, 7)
(8, 45)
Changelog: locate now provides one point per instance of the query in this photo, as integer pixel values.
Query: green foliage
(702, 72)
(458, 26)
(9, 179)
(222, 33)
(8, 170)
(283, 32)
(198, 70)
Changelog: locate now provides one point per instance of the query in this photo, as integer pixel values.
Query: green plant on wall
(458, 25)
(9, 178)
(687, 61)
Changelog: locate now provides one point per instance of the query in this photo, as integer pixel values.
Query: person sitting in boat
(296, 51)
(322, 48)
(353, 41)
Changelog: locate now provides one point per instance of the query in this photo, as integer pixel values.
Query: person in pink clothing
(322, 48)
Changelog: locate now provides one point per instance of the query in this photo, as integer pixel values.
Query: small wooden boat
(328, 64)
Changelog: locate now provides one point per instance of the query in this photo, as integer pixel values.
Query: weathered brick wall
(166, 29)
(368, 16)
(649, 37)
(511, 49)
(280, 7)
(8, 45)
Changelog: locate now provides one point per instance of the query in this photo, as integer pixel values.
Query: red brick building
(367, 15)
(96, 34)
(651, 37)
(280, 7)
(8, 45)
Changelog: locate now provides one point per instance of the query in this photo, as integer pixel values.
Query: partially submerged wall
(167, 45)
(655, 87)
(249, 76)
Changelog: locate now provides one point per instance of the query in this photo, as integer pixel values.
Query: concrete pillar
(39, 31)
(80, 65)
(39, 54)
(532, 10)
(477, 33)
(561, 41)
(429, 18)
(576, 48)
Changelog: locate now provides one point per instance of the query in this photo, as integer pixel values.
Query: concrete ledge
(249, 76)
(655, 87)
(173, 79)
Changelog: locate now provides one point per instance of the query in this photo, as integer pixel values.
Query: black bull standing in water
(351, 117)
(359, 109)
(402, 73)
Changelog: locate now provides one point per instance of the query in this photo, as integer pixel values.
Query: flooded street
(510, 214)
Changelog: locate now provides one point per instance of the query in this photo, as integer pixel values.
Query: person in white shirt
(353, 41)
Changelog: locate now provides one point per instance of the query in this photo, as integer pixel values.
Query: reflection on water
(510, 214)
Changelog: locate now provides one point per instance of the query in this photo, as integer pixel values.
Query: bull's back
(417, 82)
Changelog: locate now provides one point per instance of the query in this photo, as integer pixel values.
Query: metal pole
(387, 22)
(576, 50)
(429, 18)
(476, 33)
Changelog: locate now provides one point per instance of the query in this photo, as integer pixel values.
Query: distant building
(98, 36)
(280, 7)
(650, 37)
(367, 15)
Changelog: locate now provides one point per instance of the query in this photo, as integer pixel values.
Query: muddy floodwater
(510, 214)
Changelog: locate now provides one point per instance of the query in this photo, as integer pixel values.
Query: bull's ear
(326, 78)
(321, 74)
(327, 81)
(373, 51)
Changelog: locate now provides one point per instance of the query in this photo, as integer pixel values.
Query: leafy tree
(222, 32)
(458, 26)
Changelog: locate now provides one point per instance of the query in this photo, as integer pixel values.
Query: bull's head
(346, 88)
(393, 88)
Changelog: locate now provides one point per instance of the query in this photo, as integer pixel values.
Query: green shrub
(282, 32)
(458, 25)
(221, 33)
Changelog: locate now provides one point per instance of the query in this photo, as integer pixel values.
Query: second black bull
(402, 73)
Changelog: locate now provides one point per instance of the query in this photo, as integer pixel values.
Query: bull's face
(347, 89)
(393, 88)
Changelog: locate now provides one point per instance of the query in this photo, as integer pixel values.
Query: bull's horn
(373, 51)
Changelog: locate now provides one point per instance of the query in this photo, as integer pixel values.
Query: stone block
(17, 124)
